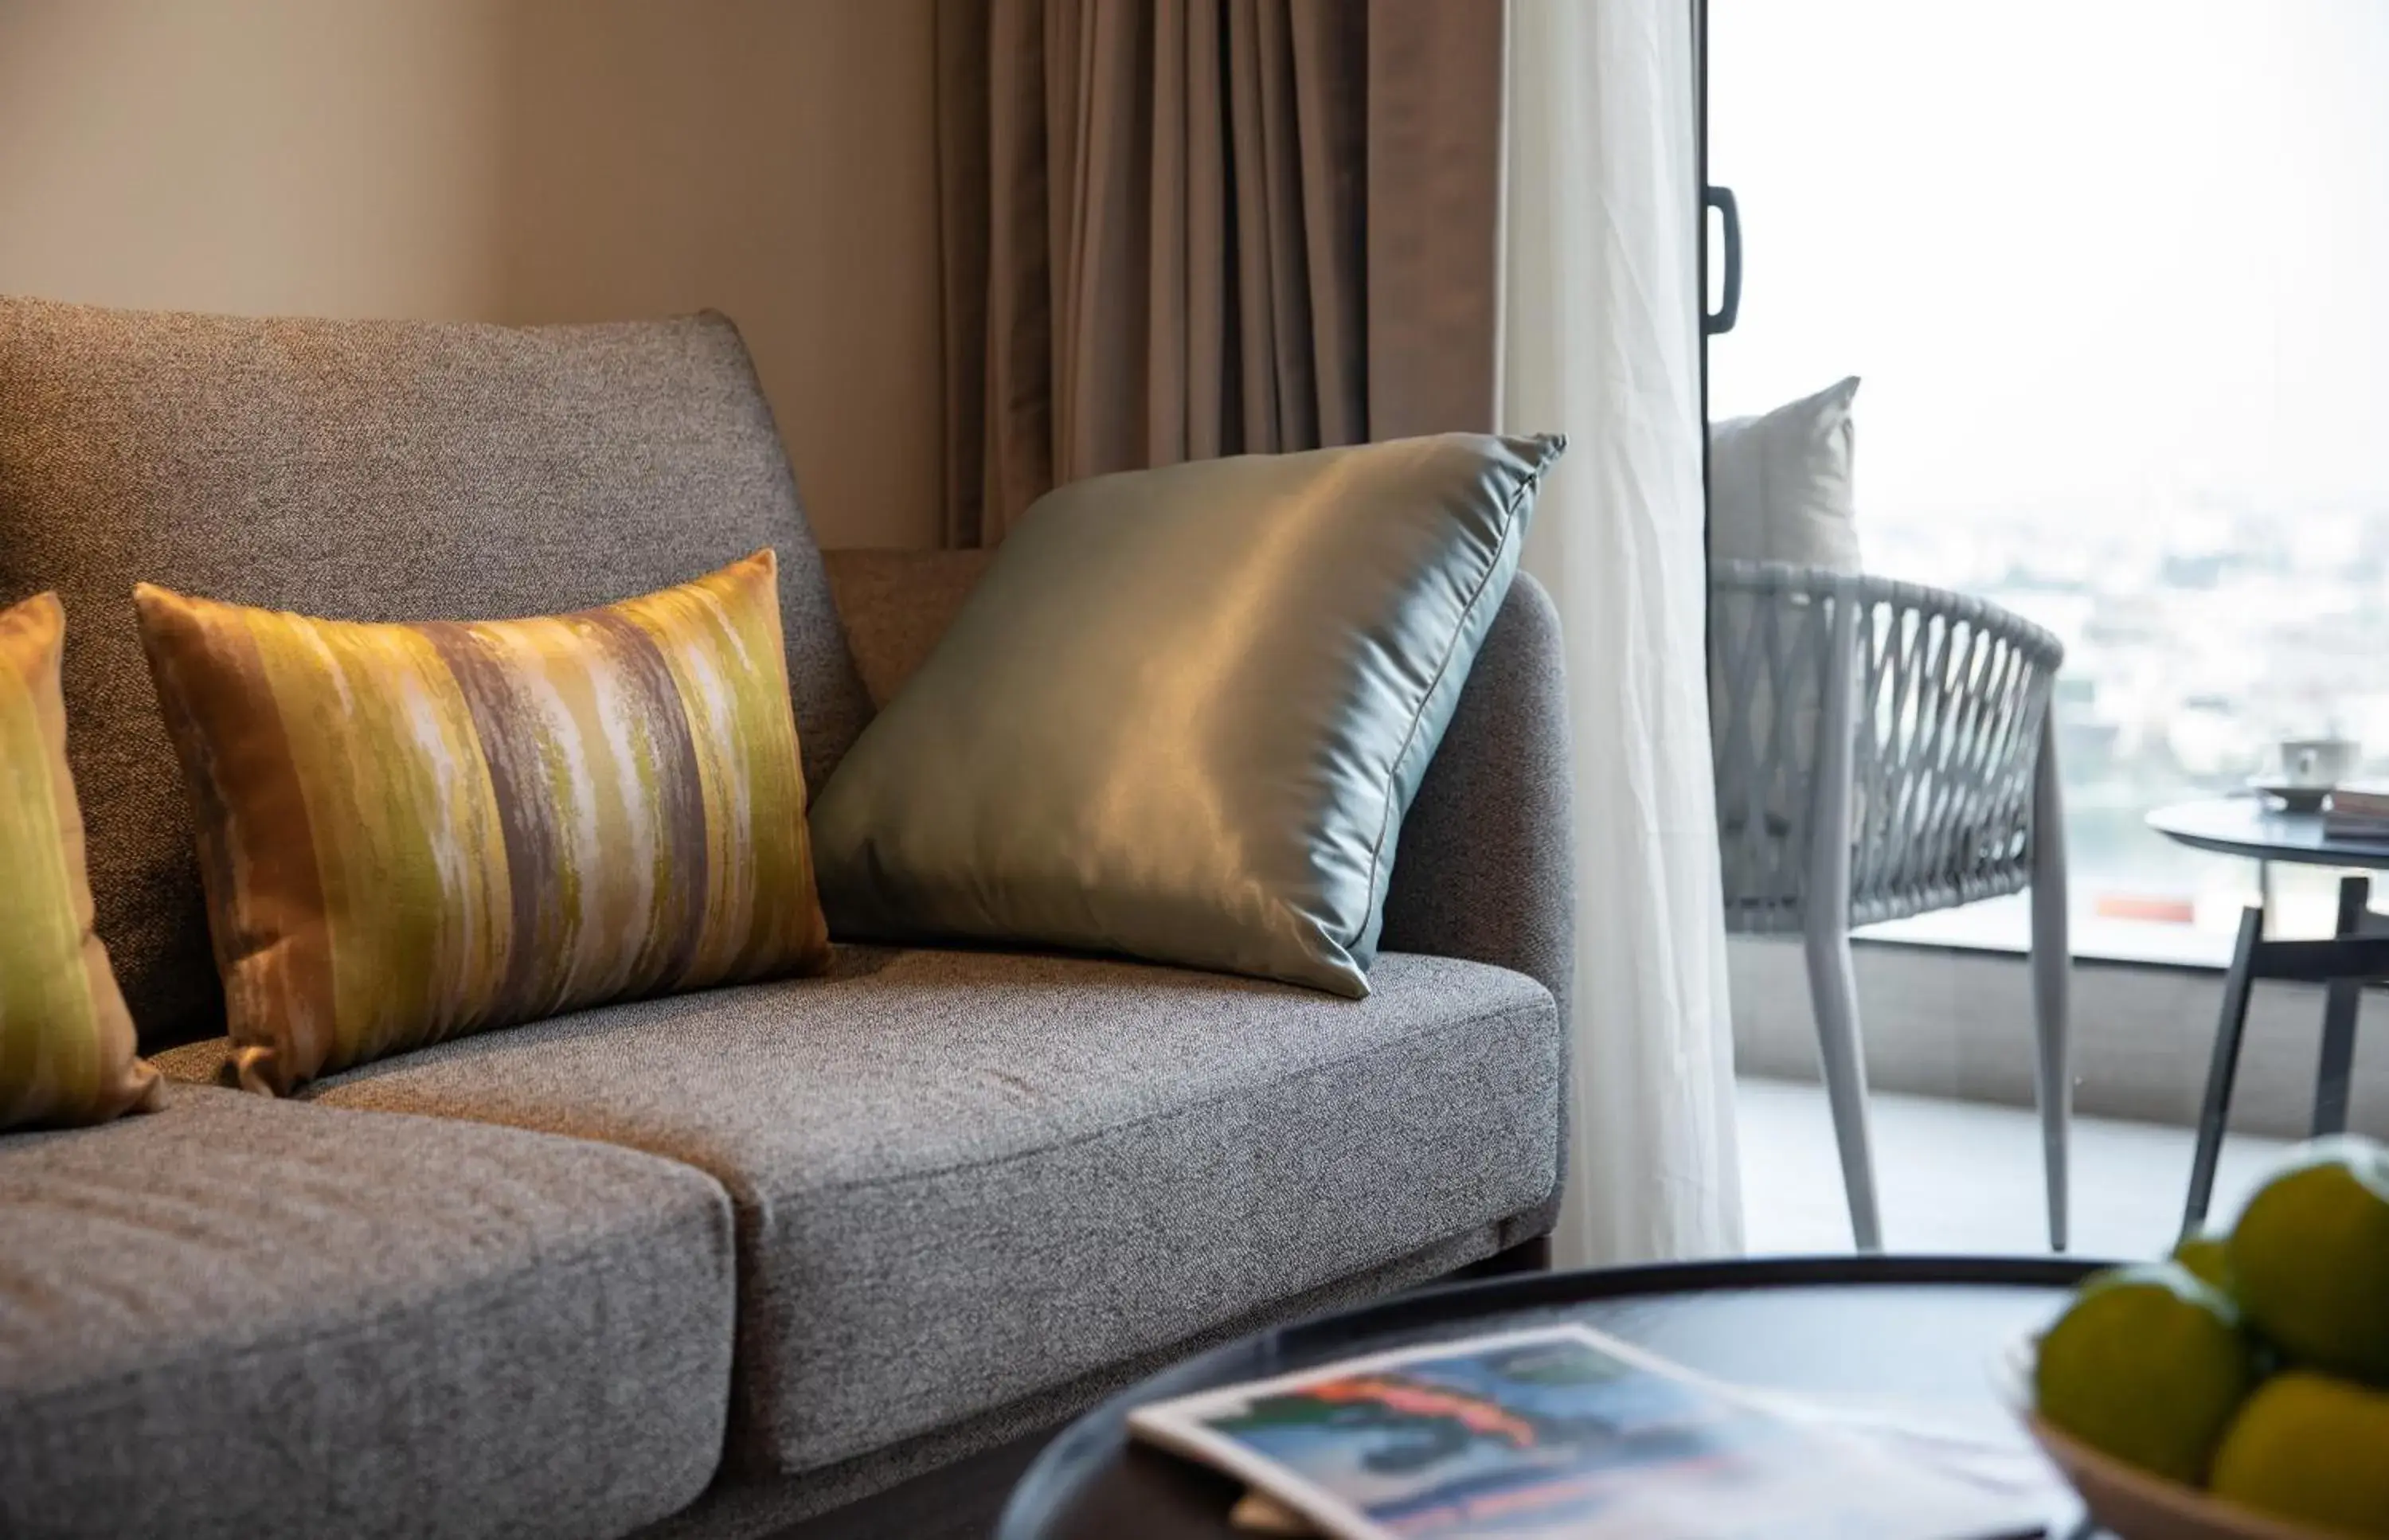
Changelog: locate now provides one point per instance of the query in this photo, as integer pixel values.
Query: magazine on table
(1563, 1432)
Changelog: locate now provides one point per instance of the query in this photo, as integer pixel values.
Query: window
(2113, 273)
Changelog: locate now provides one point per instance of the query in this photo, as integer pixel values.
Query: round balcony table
(2358, 949)
(2252, 827)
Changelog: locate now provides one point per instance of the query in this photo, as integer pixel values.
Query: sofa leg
(1528, 1257)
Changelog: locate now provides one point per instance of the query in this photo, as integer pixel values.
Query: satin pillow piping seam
(1468, 613)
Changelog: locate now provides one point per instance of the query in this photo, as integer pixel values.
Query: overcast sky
(2091, 254)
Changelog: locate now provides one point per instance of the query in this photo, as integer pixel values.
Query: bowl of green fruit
(2240, 1389)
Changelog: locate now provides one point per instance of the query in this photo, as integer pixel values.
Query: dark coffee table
(1921, 1330)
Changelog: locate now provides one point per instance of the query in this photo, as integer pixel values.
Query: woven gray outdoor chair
(1884, 749)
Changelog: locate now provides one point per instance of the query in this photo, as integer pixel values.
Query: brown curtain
(1173, 229)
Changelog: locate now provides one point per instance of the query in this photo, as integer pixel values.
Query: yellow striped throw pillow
(66, 1040)
(413, 832)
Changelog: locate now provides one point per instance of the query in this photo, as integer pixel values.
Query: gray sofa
(821, 1256)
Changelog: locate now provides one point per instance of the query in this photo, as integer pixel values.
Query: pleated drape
(1176, 229)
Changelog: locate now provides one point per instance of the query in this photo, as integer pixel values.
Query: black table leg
(2222, 1069)
(2339, 1012)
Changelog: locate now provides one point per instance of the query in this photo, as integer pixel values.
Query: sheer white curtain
(1600, 340)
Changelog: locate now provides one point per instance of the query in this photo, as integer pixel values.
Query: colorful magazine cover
(1561, 1433)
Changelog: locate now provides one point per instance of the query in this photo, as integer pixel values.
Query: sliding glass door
(2074, 310)
(2111, 274)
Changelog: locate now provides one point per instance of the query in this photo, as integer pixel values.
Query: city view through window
(2112, 274)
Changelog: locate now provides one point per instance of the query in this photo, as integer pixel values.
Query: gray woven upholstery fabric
(1483, 870)
(361, 470)
(952, 1479)
(246, 1319)
(965, 1176)
(1487, 866)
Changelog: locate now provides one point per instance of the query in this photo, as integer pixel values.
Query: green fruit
(2313, 1449)
(2204, 1256)
(2310, 1258)
(2148, 1364)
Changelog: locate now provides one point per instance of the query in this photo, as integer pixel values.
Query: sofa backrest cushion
(363, 470)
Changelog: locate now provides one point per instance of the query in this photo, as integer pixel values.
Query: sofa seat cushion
(963, 1177)
(242, 1317)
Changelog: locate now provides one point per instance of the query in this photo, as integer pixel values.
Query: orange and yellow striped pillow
(413, 832)
(66, 1040)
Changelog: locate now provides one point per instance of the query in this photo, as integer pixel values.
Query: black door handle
(1729, 303)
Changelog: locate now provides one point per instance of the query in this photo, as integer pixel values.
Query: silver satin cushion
(1182, 714)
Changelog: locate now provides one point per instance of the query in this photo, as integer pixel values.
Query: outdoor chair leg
(2051, 961)
(1833, 991)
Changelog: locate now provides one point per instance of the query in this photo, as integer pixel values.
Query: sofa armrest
(1483, 870)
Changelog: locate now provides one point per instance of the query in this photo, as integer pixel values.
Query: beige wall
(512, 161)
